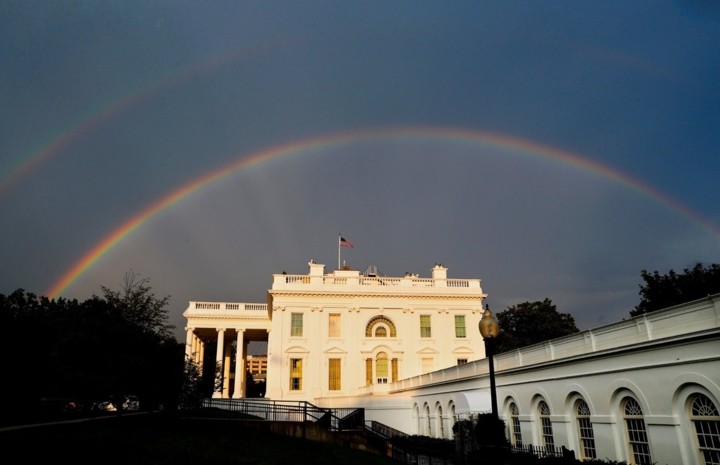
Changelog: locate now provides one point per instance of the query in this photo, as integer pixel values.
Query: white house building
(407, 350)
(343, 333)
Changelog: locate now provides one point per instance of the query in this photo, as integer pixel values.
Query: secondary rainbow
(55, 145)
(507, 143)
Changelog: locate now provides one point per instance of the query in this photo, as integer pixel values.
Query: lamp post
(489, 329)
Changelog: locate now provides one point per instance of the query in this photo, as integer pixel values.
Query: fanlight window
(636, 433)
(706, 419)
(515, 417)
(379, 326)
(585, 427)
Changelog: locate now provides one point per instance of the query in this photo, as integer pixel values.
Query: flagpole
(338, 251)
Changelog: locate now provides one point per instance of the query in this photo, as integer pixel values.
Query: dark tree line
(99, 349)
(532, 322)
(662, 291)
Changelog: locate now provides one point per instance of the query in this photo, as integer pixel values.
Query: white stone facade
(365, 332)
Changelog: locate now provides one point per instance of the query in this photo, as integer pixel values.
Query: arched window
(515, 418)
(636, 432)
(377, 322)
(704, 415)
(441, 426)
(428, 420)
(416, 411)
(453, 418)
(546, 424)
(585, 430)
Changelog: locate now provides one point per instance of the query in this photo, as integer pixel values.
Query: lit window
(460, 326)
(334, 325)
(395, 363)
(381, 368)
(704, 415)
(587, 437)
(425, 326)
(381, 331)
(427, 365)
(295, 374)
(636, 433)
(296, 324)
(334, 374)
(547, 432)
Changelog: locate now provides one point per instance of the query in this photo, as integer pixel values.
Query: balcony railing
(226, 306)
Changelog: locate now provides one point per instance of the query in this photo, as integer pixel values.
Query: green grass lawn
(166, 439)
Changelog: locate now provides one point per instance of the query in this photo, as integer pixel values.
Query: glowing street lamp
(489, 329)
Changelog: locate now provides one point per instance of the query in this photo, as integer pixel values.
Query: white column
(218, 369)
(189, 339)
(200, 351)
(227, 358)
(239, 388)
(197, 349)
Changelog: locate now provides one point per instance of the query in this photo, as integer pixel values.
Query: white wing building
(408, 351)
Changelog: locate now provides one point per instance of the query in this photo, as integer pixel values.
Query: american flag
(345, 243)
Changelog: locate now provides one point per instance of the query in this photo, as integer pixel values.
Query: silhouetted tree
(138, 305)
(532, 322)
(89, 351)
(191, 392)
(662, 291)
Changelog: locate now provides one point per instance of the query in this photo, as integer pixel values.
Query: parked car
(130, 403)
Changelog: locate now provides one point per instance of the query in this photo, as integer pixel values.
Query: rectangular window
(394, 370)
(461, 361)
(296, 325)
(368, 371)
(459, 325)
(547, 432)
(381, 369)
(587, 438)
(427, 365)
(638, 441)
(295, 374)
(425, 326)
(334, 325)
(334, 374)
(517, 434)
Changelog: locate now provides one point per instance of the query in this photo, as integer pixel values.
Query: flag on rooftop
(345, 243)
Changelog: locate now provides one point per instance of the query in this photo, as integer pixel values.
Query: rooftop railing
(408, 281)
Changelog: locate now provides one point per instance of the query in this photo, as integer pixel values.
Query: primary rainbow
(498, 141)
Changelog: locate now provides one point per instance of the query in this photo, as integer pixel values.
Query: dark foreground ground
(169, 439)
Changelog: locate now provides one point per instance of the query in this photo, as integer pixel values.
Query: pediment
(335, 350)
(296, 350)
(463, 351)
(427, 351)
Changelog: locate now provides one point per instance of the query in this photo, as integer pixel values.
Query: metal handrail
(287, 410)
